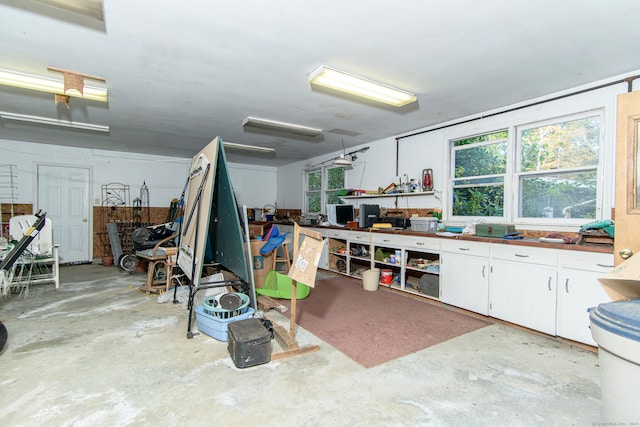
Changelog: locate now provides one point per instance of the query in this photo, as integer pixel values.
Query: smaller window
(313, 192)
(479, 168)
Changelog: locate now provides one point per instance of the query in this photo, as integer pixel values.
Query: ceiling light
(56, 86)
(360, 86)
(255, 122)
(235, 146)
(53, 122)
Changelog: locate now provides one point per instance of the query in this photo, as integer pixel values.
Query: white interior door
(63, 193)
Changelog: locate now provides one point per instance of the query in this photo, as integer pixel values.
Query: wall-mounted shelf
(376, 196)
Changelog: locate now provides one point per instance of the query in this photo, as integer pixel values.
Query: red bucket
(386, 277)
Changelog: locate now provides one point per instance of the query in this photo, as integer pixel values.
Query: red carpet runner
(373, 327)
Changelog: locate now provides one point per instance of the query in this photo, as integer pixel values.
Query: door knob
(625, 253)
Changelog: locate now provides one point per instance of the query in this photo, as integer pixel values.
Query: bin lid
(618, 317)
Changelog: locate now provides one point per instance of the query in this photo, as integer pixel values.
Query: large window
(558, 167)
(542, 172)
(323, 186)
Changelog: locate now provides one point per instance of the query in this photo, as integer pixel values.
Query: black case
(249, 343)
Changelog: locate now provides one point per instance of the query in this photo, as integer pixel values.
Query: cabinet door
(465, 281)
(524, 294)
(578, 290)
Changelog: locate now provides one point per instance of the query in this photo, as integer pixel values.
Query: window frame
(517, 173)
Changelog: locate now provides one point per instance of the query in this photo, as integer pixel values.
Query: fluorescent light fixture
(360, 86)
(50, 85)
(53, 122)
(259, 123)
(235, 146)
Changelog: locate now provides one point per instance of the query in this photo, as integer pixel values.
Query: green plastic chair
(278, 285)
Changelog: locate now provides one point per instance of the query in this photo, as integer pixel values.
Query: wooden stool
(285, 257)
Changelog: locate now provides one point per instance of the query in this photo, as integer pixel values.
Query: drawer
(382, 239)
(337, 234)
(465, 247)
(359, 237)
(430, 244)
(524, 254)
(589, 261)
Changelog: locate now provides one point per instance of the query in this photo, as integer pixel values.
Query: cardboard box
(623, 282)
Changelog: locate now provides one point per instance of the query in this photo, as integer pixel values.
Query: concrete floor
(98, 352)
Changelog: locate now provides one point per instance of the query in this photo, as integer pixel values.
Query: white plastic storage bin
(424, 223)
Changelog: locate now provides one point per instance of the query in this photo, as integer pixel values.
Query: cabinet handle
(483, 268)
(522, 255)
(605, 266)
(463, 249)
(549, 283)
(420, 243)
(566, 285)
(387, 240)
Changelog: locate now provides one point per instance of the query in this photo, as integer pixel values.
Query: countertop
(523, 242)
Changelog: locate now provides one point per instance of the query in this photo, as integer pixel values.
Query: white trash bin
(615, 326)
(370, 279)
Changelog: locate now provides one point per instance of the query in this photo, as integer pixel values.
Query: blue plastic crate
(214, 326)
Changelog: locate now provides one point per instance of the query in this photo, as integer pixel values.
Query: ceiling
(181, 73)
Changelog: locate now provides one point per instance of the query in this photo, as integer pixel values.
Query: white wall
(165, 176)
(376, 168)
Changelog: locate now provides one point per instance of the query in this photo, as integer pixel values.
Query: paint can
(386, 277)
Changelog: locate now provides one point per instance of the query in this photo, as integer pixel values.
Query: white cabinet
(579, 290)
(523, 286)
(464, 275)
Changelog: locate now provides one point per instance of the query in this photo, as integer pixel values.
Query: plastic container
(216, 327)
(278, 285)
(424, 224)
(386, 277)
(615, 326)
(370, 279)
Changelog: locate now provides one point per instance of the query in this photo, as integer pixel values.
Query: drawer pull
(386, 240)
(522, 255)
(566, 285)
(420, 243)
(604, 266)
(463, 249)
